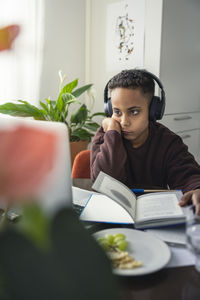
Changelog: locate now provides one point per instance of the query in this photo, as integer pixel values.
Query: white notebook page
(101, 208)
(157, 206)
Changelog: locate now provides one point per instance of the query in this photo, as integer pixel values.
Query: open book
(116, 203)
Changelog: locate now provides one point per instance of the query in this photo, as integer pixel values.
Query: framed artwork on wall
(121, 34)
(125, 34)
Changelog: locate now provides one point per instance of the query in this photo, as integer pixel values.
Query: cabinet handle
(186, 136)
(182, 118)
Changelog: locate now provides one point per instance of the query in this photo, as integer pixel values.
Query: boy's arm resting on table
(184, 173)
(108, 154)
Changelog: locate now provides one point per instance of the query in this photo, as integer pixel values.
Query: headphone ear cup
(108, 108)
(153, 108)
(156, 109)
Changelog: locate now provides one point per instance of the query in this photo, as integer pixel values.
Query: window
(20, 67)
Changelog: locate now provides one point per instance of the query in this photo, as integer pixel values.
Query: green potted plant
(79, 119)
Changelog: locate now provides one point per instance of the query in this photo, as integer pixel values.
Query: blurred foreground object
(7, 36)
(72, 267)
(45, 255)
(35, 163)
(26, 156)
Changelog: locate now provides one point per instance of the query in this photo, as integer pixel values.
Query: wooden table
(181, 283)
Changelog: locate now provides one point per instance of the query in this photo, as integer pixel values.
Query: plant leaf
(93, 126)
(81, 90)
(59, 104)
(98, 114)
(51, 102)
(80, 134)
(80, 116)
(22, 110)
(51, 110)
(68, 88)
(38, 114)
(53, 114)
(69, 98)
(44, 106)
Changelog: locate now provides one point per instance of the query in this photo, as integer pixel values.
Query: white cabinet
(191, 139)
(180, 70)
(187, 126)
(180, 56)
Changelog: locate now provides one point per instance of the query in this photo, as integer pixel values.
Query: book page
(158, 205)
(117, 191)
(101, 208)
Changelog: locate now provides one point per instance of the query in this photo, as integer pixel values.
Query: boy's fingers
(191, 196)
(197, 209)
(185, 199)
(196, 202)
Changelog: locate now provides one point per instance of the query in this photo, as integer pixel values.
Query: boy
(140, 152)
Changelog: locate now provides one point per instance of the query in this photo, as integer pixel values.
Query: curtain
(20, 67)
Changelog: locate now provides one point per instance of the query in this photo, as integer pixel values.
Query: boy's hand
(111, 124)
(194, 197)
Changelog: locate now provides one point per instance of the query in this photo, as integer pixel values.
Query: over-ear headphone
(157, 106)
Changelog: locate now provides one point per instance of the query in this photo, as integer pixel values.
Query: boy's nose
(125, 121)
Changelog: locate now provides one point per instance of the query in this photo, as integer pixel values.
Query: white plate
(153, 253)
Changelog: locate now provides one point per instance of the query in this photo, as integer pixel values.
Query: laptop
(54, 190)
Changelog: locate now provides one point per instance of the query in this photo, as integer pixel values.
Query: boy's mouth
(126, 132)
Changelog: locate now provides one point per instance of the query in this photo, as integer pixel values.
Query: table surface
(170, 283)
(180, 283)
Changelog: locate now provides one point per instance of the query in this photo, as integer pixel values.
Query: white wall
(172, 50)
(64, 44)
(97, 70)
(66, 26)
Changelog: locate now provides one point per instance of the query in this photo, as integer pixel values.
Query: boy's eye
(134, 112)
(117, 112)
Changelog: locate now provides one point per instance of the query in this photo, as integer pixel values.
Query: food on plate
(113, 242)
(115, 246)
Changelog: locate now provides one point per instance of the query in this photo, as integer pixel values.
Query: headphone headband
(157, 106)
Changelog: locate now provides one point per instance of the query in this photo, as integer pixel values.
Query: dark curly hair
(133, 79)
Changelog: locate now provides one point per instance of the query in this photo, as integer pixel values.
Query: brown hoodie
(162, 161)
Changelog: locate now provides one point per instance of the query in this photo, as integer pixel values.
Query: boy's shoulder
(158, 127)
(162, 137)
(159, 130)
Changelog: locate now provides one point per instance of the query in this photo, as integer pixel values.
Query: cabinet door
(179, 61)
(182, 122)
(192, 140)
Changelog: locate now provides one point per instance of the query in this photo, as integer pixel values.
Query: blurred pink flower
(7, 36)
(26, 156)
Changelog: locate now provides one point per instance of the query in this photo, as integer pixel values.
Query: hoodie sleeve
(183, 170)
(108, 155)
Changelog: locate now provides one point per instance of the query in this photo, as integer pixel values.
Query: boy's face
(131, 111)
